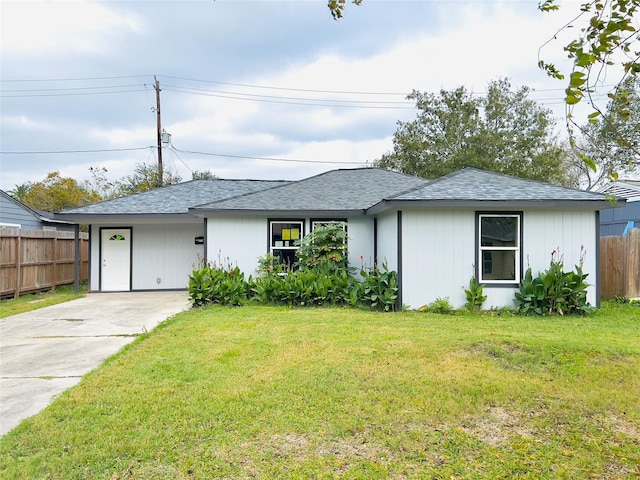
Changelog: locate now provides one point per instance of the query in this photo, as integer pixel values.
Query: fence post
(18, 263)
(76, 273)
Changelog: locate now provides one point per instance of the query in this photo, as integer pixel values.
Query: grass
(33, 301)
(265, 392)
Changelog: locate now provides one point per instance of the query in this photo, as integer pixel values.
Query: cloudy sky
(249, 89)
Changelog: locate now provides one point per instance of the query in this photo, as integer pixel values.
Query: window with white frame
(284, 239)
(499, 249)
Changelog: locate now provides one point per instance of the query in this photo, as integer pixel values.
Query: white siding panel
(94, 260)
(437, 255)
(237, 240)
(567, 231)
(388, 240)
(360, 231)
(166, 252)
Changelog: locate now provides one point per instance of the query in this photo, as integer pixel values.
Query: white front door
(115, 266)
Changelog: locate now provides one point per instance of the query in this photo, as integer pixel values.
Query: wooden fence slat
(620, 266)
(34, 260)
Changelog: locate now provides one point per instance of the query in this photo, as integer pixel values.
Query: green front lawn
(267, 392)
(33, 301)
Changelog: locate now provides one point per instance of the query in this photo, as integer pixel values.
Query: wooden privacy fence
(35, 260)
(620, 265)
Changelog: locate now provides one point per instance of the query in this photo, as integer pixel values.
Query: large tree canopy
(54, 193)
(503, 131)
(612, 143)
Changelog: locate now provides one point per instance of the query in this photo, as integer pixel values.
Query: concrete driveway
(46, 351)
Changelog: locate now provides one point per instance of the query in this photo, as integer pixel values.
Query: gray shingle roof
(347, 190)
(479, 185)
(174, 198)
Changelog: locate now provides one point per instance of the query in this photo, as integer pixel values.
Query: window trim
(271, 221)
(479, 256)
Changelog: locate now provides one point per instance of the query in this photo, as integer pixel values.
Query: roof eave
(501, 204)
(110, 218)
(204, 212)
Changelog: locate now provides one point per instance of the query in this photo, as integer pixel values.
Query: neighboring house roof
(172, 199)
(335, 192)
(43, 217)
(471, 186)
(629, 189)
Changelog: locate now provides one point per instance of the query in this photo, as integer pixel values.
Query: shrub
(475, 298)
(212, 283)
(379, 289)
(324, 249)
(554, 290)
(441, 305)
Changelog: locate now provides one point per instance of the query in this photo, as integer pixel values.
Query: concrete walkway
(46, 351)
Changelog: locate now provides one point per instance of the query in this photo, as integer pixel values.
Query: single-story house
(616, 221)
(436, 234)
(15, 214)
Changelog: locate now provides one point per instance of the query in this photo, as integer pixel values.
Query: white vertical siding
(438, 255)
(438, 252)
(166, 252)
(360, 231)
(237, 240)
(566, 230)
(388, 240)
(94, 260)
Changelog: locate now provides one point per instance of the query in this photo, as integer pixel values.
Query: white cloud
(61, 26)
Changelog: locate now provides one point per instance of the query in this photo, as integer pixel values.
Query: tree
(20, 192)
(609, 39)
(336, 7)
(144, 178)
(56, 193)
(503, 132)
(613, 144)
(203, 175)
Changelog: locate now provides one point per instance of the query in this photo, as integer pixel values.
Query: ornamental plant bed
(276, 392)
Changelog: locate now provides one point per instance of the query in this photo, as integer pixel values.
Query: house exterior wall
(12, 214)
(438, 255)
(237, 241)
(164, 251)
(164, 255)
(360, 232)
(572, 232)
(613, 221)
(388, 239)
(438, 252)
(243, 240)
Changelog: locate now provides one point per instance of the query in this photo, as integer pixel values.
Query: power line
(286, 102)
(54, 152)
(296, 160)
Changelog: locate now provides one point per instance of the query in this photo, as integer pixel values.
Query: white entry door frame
(115, 259)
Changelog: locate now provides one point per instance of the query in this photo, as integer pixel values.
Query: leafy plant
(554, 290)
(441, 305)
(380, 288)
(213, 283)
(475, 298)
(325, 248)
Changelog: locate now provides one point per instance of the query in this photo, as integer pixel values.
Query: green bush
(554, 291)
(321, 277)
(441, 305)
(212, 283)
(325, 249)
(475, 298)
(379, 288)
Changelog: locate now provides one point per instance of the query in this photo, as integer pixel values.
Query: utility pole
(159, 124)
